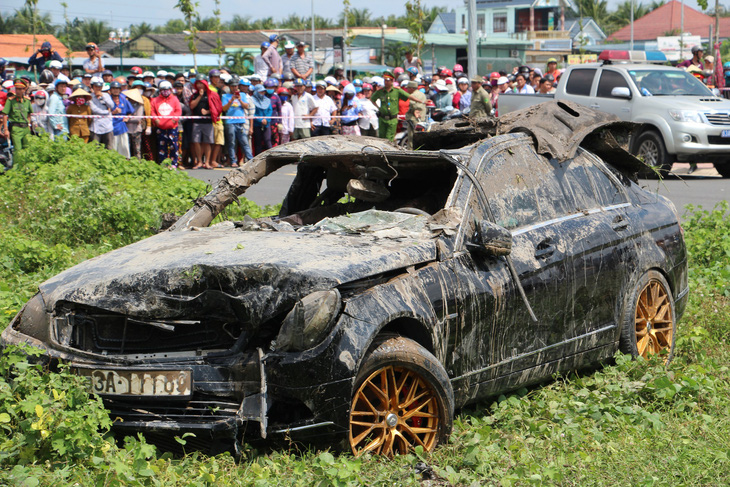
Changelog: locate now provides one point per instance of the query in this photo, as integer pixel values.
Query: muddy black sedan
(395, 287)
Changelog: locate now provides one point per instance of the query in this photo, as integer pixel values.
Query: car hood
(228, 273)
(697, 103)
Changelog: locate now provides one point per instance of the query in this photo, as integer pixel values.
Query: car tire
(723, 168)
(650, 148)
(649, 320)
(402, 399)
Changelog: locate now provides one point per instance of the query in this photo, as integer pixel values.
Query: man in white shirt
(522, 87)
(304, 106)
(325, 109)
(369, 120)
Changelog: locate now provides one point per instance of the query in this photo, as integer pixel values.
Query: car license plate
(147, 383)
(725, 133)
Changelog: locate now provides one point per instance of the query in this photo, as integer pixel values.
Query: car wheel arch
(631, 283)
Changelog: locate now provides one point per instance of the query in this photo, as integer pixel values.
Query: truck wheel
(650, 148)
(403, 399)
(648, 323)
(723, 168)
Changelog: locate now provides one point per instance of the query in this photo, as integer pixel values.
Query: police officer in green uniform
(16, 115)
(481, 106)
(388, 112)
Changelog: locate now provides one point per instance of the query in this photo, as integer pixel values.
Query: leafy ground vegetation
(629, 423)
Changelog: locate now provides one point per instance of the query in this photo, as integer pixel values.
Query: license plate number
(149, 383)
(725, 133)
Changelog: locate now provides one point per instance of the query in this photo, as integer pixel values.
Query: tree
(188, 9)
(358, 17)
(415, 20)
(173, 26)
(138, 30)
(295, 22)
(219, 49)
(595, 9)
(96, 31)
(240, 62)
(240, 23)
(622, 15)
(395, 53)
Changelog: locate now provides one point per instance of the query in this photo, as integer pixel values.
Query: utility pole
(314, 61)
(471, 52)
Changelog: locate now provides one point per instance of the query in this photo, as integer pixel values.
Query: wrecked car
(394, 288)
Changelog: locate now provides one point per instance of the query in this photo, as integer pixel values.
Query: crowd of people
(205, 120)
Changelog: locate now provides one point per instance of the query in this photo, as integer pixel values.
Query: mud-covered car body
(203, 329)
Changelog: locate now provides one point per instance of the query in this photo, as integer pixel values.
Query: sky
(121, 13)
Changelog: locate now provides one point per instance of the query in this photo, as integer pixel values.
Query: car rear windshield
(654, 82)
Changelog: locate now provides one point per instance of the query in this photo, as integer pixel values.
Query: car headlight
(309, 321)
(32, 320)
(685, 116)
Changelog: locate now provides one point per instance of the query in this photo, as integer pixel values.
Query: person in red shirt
(166, 107)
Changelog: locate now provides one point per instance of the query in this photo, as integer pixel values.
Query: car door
(579, 84)
(500, 339)
(605, 101)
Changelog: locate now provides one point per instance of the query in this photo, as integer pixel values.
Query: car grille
(716, 139)
(100, 331)
(198, 411)
(717, 118)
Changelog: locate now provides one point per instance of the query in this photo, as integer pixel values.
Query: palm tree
(264, 24)
(208, 23)
(358, 17)
(240, 23)
(395, 53)
(240, 62)
(655, 4)
(295, 22)
(622, 15)
(173, 26)
(137, 30)
(22, 20)
(96, 31)
(595, 9)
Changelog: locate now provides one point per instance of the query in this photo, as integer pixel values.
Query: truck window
(580, 82)
(610, 80)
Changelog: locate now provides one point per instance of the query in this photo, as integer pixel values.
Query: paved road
(703, 187)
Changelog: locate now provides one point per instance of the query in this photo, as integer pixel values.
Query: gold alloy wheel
(653, 319)
(393, 411)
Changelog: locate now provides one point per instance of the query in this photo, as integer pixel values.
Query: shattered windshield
(652, 82)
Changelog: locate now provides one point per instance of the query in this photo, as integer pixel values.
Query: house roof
(21, 45)
(449, 21)
(667, 18)
(487, 4)
(574, 26)
(178, 43)
(455, 40)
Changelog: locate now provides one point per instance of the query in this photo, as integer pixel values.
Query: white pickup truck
(679, 118)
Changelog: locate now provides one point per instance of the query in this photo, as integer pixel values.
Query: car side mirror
(621, 92)
(490, 239)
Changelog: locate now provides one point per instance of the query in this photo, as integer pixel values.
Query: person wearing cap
(286, 59)
(388, 111)
(207, 105)
(695, 60)
(442, 99)
(304, 108)
(107, 75)
(235, 104)
(16, 115)
(369, 118)
(39, 120)
(416, 109)
(122, 109)
(55, 67)
(321, 123)
(462, 97)
(260, 67)
(302, 65)
(37, 61)
(79, 108)
(271, 56)
(56, 106)
(552, 67)
(136, 123)
(480, 106)
(93, 65)
(286, 127)
(102, 128)
(411, 61)
(165, 112)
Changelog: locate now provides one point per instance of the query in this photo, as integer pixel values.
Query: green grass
(629, 423)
